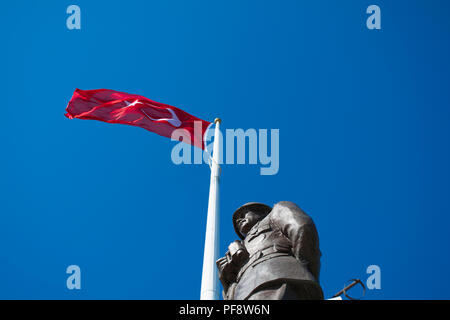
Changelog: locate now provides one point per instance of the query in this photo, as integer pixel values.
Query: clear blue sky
(364, 129)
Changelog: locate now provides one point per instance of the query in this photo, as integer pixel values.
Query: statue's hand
(238, 254)
(221, 264)
(227, 272)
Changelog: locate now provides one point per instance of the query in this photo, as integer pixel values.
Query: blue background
(364, 140)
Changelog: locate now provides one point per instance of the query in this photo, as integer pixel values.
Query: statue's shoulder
(288, 210)
(287, 205)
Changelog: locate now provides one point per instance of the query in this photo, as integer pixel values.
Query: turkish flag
(135, 110)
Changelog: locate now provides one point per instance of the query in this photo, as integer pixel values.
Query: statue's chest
(262, 237)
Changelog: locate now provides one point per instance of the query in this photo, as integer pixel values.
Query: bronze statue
(277, 258)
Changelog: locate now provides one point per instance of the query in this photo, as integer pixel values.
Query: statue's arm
(230, 264)
(224, 274)
(299, 228)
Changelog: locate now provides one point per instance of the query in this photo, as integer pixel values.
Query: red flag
(119, 107)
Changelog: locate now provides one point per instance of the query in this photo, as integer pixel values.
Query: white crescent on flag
(174, 121)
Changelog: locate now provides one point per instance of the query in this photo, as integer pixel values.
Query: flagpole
(209, 288)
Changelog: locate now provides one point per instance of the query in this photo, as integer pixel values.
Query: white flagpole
(209, 289)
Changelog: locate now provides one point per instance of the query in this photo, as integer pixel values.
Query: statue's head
(247, 216)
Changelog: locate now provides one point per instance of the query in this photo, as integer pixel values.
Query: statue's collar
(253, 229)
(262, 224)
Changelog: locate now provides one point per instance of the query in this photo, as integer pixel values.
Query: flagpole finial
(217, 120)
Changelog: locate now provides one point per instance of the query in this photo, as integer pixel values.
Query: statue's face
(247, 222)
